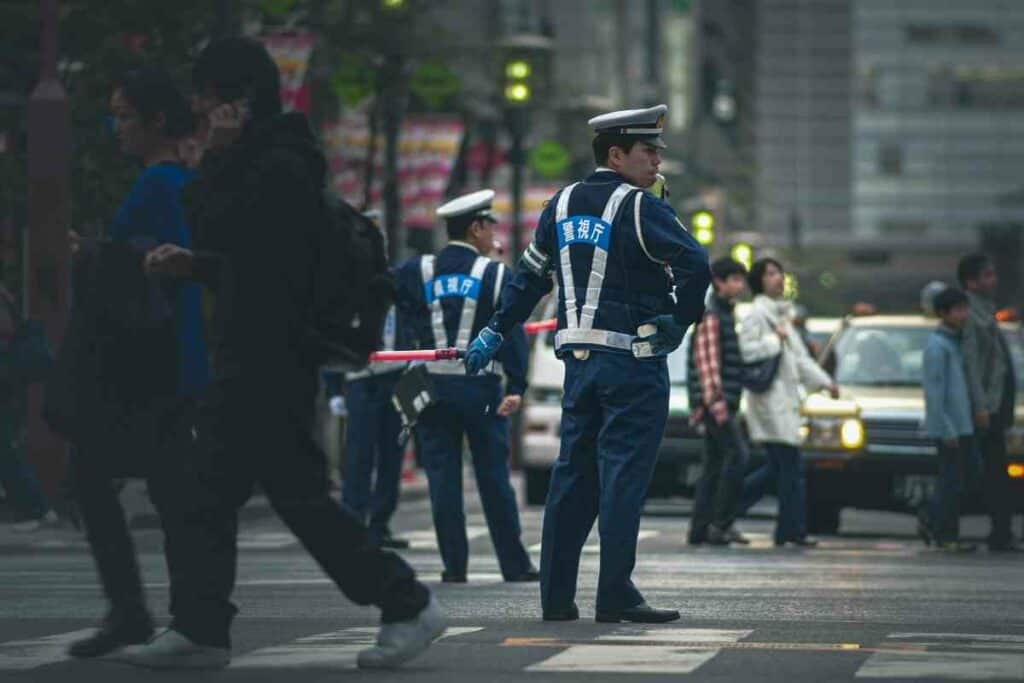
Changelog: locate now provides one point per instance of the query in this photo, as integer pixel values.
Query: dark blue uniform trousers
(613, 418)
(372, 444)
(467, 406)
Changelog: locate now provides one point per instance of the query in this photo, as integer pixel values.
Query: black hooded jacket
(255, 209)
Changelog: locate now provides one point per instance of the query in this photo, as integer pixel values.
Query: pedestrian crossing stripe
(941, 656)
(21, 655)
(593, 545)
(333, 650)
(426, 539)
(653, 657)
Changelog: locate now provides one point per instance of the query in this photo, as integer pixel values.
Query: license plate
(914, 489)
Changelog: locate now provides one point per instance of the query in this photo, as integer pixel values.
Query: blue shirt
(947, 407)
(150, 215)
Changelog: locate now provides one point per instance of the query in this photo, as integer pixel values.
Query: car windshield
(881, 356)
(892, 356)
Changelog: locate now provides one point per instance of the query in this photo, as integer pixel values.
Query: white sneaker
(48, 521)
(399, 642)
(170, 649)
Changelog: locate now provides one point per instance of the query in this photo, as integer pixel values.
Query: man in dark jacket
(715, 390)
(256, 209)
(991, 387)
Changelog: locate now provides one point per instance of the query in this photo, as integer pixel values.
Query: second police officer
(449, 297)
(372, 438)
(630, 279)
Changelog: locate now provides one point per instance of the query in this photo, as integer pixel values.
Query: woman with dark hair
(773, 416)
(150, 115)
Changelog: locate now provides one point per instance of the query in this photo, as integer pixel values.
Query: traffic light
(518, 81)
(742, 253)
(702, 223)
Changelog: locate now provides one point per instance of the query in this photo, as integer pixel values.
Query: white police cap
(475, 204)
(645, 124)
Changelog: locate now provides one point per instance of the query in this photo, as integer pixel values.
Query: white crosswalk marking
(21, 655)
(632, 653)
(426, 539)
(943, 656)
(337, 649)
(593, 545)
(266, 540)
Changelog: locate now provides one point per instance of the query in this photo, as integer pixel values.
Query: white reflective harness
(579, 323)
(466, 317)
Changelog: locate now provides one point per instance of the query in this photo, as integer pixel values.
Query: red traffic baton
(540, 326)
(450, 353)
(424, 354)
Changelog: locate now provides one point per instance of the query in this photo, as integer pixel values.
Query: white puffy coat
(774, 415)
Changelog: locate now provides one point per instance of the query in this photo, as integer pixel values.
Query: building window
(890, 159)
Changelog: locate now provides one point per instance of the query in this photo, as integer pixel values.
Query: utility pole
(49, 219)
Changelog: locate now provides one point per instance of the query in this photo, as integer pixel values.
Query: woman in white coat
(773, 416)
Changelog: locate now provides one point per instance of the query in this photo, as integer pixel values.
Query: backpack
(353, 287)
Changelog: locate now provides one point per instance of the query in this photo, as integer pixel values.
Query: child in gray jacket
(948, 421)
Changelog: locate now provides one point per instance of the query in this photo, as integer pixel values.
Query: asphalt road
(871, 604)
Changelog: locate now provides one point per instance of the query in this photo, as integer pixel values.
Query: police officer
(631, 280)
(371, 438)
(450, 297)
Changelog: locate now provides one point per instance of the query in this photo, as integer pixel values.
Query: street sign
(550, 159)
(434, 82)
(353, 81)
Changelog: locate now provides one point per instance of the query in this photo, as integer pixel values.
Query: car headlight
(833, 433)
(851, 434)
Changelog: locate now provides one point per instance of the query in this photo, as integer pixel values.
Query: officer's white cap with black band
(645, 124)
(472, 205)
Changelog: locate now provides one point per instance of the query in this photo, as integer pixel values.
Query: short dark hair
(724, 267)
(756, 276)
(603, 143)
(970, 267)
(152, 91)
(947, 299)
(458, 227)
(238, 68)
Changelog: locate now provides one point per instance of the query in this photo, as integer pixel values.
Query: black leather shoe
(114, 633)
(529, 576)
(717, 537)
(570, 613)
(697, 536)
(453, 578)
(641, 614)
(805, 542)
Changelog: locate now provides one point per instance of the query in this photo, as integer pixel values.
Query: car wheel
(537, 479)
(823, 518)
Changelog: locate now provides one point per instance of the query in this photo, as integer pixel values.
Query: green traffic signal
(518, 86)
(703, 223)
(517, 93)
(518, 69)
